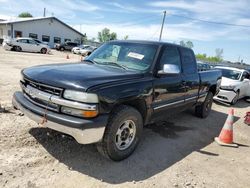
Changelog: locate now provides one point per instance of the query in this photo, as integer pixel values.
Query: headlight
(79, 113)
(230, 87)
(80, 96)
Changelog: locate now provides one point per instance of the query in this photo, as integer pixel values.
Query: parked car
(66, 46)
(119, 88)
(87, 51)
(76, 50)
(25, 44)
(235, 84)
(203, 66)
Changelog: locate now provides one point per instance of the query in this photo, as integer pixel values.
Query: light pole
(162, 25)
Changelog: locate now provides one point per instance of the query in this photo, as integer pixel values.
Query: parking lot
(179, 152)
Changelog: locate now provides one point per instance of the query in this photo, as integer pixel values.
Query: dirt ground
(179, 152)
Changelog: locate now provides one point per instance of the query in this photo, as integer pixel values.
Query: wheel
(204, 109)
(122, 133)
(18, 48)
(62, 48)
(236, 98)
(43, 50)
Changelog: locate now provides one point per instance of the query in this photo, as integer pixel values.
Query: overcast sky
(141, 19)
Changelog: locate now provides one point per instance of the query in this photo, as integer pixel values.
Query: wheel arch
(138, 104)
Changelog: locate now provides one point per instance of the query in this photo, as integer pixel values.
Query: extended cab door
(169, 91)
(191, 78)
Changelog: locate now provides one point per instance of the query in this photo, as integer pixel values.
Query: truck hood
(229, 82)
(78, 76)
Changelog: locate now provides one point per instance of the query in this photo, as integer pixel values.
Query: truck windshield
(232, 74)
(135, 56)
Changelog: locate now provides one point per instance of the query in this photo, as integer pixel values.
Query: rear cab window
(188, 61)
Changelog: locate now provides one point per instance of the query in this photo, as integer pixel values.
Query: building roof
(19, 20)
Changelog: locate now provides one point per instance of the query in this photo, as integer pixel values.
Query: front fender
(112, 95)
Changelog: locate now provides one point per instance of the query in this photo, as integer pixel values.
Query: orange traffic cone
(67, 57)
(226, 135)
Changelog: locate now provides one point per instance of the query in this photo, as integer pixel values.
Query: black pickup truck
(109, 97)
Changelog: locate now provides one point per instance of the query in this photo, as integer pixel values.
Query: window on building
(66, 40)
(33, 35)
(18, 34)
(57, 40)
(9, 32)
(45, 38)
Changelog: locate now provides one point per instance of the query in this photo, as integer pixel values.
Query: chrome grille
(45, 88)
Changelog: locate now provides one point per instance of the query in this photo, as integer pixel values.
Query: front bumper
(85, 131)
(7, 47)
(225, 95)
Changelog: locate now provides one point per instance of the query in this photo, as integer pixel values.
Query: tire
(119, 126)
(62, 49)
(204, 109)
(236, 98)
(18, 48)
(43, 50)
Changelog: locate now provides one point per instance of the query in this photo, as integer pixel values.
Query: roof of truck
(148, 42)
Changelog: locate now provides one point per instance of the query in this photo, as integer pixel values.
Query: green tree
(126, 37)
(188, 44)
(106, 35)
(204, 57)
(25, 15)
(218, 53)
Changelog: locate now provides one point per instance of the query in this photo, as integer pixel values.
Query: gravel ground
(179, 152)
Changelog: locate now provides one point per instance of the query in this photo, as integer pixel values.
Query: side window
(22, 41)
(245, 76)
(32, 42)
(170, 55)
(188, 61)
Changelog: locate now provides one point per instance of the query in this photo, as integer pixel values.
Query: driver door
(169, 89)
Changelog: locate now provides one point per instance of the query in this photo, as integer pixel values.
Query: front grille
(45, 88)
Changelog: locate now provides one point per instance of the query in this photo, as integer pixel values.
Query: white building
(46, 29)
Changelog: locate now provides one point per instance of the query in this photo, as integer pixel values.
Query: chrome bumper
(84, 131)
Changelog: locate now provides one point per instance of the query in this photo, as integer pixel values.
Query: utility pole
(162, 25)
(44, 12)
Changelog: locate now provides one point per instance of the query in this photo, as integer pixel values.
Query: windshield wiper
(116, 64)
(90, 61)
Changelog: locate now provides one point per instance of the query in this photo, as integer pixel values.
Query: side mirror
(169, 69)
